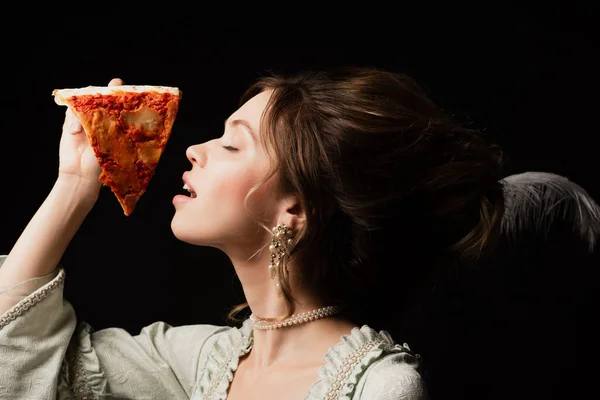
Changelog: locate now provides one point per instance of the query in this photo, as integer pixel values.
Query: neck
(260, 291)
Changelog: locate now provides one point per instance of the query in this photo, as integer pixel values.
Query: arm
(40, 247)
(45, 239)
(44, 354)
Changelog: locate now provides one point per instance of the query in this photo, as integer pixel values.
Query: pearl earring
(280, 241)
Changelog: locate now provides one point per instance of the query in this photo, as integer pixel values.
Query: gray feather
(534, 200)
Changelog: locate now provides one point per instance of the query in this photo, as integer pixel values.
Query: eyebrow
(244, 123)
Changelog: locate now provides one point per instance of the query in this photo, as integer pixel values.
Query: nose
(196, 155)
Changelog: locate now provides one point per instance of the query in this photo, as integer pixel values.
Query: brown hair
(394, 189)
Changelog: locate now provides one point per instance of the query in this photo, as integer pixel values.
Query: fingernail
(76, 126)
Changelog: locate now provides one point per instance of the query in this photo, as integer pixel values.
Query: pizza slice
(128, 128)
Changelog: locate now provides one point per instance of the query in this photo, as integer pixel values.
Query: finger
(115, 82)
(72, 123)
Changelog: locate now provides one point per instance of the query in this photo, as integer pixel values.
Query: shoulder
(182, 339)
(157, 352)
(396, 376)
(201, 332)
(176, 344)
(369, 364)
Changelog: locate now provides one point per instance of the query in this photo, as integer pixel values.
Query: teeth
(192, 193)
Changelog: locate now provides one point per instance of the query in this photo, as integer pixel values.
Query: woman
(347, 192)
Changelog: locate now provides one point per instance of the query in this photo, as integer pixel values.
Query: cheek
(220, 210)
(261, 202)
(228, 199)
(228, 190)
(233, 189)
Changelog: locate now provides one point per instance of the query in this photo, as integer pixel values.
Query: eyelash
(230, 148)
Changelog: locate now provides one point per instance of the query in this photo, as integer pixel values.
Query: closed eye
(230, 148)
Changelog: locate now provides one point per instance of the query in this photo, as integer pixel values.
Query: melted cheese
(148, 153)
(149, 121)
(144, 118)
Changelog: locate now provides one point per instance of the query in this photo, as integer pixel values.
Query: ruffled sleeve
(33, 337)
(367, 364)
(44, 354)
(162, 362)
(222, 360)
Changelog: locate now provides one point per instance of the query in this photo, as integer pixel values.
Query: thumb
(72, 124)
(115, 82)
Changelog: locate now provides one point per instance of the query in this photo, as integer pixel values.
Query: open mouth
(190, 191)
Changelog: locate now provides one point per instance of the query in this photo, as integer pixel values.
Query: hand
(77, 158)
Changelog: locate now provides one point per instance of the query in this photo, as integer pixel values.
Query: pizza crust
(60, 95)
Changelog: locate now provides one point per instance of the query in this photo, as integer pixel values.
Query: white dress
(46, 354)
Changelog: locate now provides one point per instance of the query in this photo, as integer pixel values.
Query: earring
(280, 241)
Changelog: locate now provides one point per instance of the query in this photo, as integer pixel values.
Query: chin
(181, 230)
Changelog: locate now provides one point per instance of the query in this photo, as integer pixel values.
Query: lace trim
(338, 378)
(223, 361)
(25, 304)
(348, 360)
(225, 369)
(347, 367)
(77, 376)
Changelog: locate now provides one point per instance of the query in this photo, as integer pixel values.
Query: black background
(527, 75)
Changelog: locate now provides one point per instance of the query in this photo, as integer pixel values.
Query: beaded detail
(279, 249)
(347, 361)
(31, 300)
(348, 366)
(226, 368)
(338, 378)
(294, 319)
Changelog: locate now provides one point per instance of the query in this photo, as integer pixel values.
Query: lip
(180, 199)
(185, 178)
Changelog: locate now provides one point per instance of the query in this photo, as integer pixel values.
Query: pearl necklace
(295, 319)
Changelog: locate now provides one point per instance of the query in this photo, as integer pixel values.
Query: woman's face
(223, 171)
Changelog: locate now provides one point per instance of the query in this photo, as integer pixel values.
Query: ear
(292, 212)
